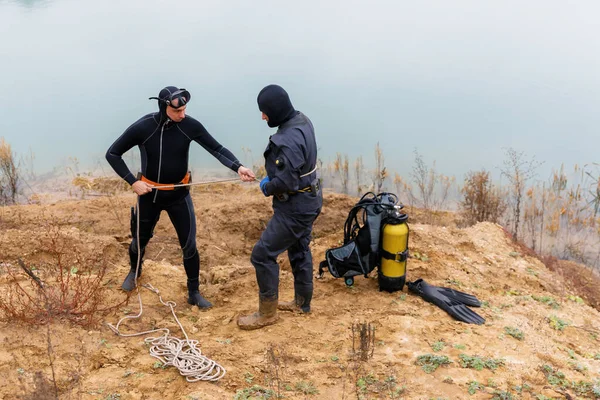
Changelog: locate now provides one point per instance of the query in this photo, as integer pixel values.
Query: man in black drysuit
(164, 139)
(290, 161)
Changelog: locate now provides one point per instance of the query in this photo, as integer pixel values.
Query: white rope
(308, 173)
(182, 354)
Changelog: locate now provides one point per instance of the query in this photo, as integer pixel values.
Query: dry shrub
(341, 167)
(380, 173)
(9, 174)
(67, 285)
(583, 281)
(275, 365)
(363, 340)
(482, 201)
(100, 185)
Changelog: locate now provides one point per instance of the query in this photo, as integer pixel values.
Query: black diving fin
(452, 301)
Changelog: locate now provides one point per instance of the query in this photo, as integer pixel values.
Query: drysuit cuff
(236, 166)
(275, 186)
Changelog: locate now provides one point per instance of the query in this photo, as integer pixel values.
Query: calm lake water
(458, 81)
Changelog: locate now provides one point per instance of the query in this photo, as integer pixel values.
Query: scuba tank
(394, 252)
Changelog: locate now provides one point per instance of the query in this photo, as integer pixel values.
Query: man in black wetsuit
(164, 140)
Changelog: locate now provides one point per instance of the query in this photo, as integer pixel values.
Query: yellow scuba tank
(394, 253)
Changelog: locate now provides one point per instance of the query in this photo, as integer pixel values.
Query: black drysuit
(291, 153)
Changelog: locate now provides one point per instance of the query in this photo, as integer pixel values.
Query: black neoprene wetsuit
(164, 149)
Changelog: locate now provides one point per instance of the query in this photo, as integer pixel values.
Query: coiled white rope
(182, 354)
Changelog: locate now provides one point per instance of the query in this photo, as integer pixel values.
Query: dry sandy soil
(303, 356)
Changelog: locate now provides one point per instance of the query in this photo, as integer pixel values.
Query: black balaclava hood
(164, 95)
(274, 101)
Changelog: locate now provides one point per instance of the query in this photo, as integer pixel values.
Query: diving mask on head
(177, 99)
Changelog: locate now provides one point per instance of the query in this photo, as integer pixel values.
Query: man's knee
(190, 251)
(260, 254)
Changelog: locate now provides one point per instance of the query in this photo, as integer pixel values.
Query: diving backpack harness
(375, 235)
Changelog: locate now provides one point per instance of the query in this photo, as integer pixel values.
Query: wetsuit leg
(183, 218)
(149, 215)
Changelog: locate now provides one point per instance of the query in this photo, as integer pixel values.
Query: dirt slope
(303, 356)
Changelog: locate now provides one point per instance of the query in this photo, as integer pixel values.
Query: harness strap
(398, 257)
(166, 186)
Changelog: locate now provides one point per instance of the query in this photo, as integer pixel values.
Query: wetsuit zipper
(162, 129)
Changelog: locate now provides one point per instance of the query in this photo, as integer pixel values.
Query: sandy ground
(303, 356)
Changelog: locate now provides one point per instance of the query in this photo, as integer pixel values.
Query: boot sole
(258, 326)
(202, 308)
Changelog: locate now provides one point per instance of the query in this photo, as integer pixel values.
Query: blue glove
(263, 185)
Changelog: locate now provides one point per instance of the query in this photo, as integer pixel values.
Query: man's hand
(141, 188)
(246, 174)
(263, 185)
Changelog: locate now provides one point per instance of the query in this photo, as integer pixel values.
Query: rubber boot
(129, 282)
(194, 296)
(300, 304)
(266, 315)
(196, 299)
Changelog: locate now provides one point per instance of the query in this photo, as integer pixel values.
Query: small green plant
(419, 256)
(454, 282)
(491, 383)
(578, 367)
(224, 341)
(576, 299)
(438, 346)
(502, 395)
(514, 332)
(597, 356)
(583, 388)
(448, 379)
(531, 271)
(21, 371)
(158, 364)
(113, 396)
(255, 392)
(479, 363)
(335, 358)
(306, 388)
(363, 383)
(460, 346)
(474, 386)
(523, 388)
(571, 354)
(557, 323)
(554, 376)
(248, 377)
(431, 362)
(550, 301)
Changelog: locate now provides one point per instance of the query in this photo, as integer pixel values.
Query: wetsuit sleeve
(210, 144)
(114, 155)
